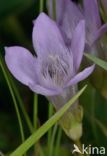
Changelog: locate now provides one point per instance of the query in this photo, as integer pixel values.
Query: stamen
(55, 69)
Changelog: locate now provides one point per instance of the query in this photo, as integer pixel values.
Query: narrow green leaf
(53, 138)
(44, 128)
(41, 6)
(50, 113)
(101, 126)
(97, 61)
(13, 98)
(17, 95)
(35, 112)
(58, 142)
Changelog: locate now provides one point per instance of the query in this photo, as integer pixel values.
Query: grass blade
(13, 98)
(97, 61)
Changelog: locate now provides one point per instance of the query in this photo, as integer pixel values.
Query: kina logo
(89, 150)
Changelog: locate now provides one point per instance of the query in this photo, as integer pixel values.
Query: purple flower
(95, 30)
(54, 72)
(69, 14)
(56, 65)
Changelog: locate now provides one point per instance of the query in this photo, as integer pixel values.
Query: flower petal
(47, 37)
(81, 76)
(92, 15)
(68, 19)
(78, 43)
(42, 90)
(21, 63)
(100, 33)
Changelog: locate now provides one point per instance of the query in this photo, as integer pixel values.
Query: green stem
(54, 9)
(26, 117)
(52, 140)
(41, 5)
(50, 112)
(93, 113)
(37, 147)
(21, 105)
(58, 141)
(35, 112)
(14, 99)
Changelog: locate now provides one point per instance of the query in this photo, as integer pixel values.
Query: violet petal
(100, 33)
(81, 76)
(71, 16)
(21, 63)
(92, 16)
(78, 43)
(47, 38)
(43, 91)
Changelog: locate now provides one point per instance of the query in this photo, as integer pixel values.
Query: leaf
(99, 62)
(101, 126)
(44, 128)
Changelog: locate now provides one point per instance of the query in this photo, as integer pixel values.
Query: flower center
(55, 69)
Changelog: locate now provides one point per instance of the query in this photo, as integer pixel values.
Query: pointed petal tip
(81, 76)
(91, 68)
(20, 63)
(6, 48)
(47, 36)
(7, 52)
(41, 15)
(9, 47)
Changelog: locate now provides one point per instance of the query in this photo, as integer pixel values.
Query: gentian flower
(94, 28)
(56, 65)
(68, 14)
(54, 71)
(96, 42)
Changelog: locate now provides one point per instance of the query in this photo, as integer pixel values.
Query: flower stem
(54, 9)
(35, 112)
(35, 116)
(52, 140)
(50, 112)
(20, 102)
(41, 5)
(37, 147)
(58, 141)
(21, 105)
